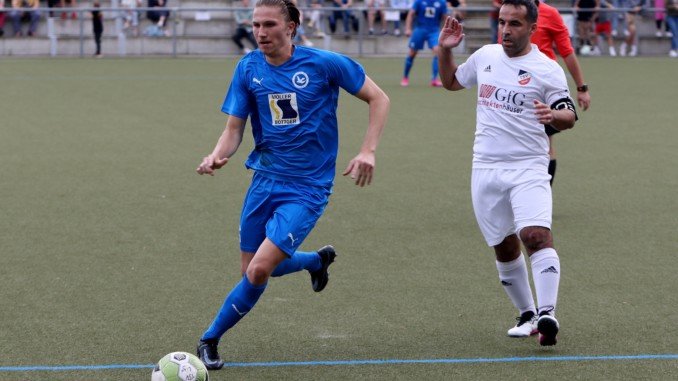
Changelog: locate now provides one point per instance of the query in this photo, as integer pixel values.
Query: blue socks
(408, 65)
(245, 295)
(409, 61)
(237, 304)
(299, 261)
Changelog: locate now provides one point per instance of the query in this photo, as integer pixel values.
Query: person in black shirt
(97, 27)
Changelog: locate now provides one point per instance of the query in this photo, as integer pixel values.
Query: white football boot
(526, 327)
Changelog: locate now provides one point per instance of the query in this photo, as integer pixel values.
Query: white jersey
(508, 135)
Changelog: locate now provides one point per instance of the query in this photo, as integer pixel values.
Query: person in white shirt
(519, 91)
(130, 15)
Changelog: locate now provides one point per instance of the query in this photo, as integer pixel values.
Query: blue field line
(61, 368)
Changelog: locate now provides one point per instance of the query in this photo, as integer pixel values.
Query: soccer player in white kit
(519, 91)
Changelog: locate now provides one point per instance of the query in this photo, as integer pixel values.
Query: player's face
(273, 33)
(515, 30)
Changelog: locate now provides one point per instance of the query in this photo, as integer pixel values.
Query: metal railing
(179, 13)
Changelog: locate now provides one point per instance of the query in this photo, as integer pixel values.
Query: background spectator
(315, 18)
(53, 4)
(635, 6)
(2, 18)
(403, 6)
(585, 12)
(300, 36)
(604, 28)
(618, 19)
(62, 4)
(345, 15)
(660, 19)
(243, 20)
(69, 4)
(97, 26)
(130, 15)
(17, 16)
(672, 21)
(375, 7)
(158, 16)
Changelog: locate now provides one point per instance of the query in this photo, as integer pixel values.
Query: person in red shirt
(551, 30)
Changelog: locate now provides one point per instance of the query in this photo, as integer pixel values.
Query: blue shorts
(280, 210)
(420, 35)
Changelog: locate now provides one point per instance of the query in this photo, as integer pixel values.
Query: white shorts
(507, 200)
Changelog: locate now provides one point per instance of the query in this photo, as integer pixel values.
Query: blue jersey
(293, 111)
(429, 13)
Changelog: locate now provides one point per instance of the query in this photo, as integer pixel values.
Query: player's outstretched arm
(226, 146)
(361, 167)
(450, 37)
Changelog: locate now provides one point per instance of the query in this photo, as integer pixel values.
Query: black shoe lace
(525, 317)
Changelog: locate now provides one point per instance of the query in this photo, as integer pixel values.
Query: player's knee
(257, 273)
(536, 238)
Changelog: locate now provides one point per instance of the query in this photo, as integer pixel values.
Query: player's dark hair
(532, 11)
(287, 7)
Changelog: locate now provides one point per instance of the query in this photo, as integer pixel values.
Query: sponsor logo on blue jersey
(284, 109)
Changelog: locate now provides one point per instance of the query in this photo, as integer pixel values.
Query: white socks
(546, 277)
(513, 276)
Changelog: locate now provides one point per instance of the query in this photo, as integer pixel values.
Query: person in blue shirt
(429, 14)
(290, 93)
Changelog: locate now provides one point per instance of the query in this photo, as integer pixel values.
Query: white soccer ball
(585, 50)
(180, 366)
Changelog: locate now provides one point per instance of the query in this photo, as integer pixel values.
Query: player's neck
(523, 52)
(281, 56)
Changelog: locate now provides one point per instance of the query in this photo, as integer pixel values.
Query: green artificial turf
(114, 251)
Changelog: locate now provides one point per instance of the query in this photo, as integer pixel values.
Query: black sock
(552, 170)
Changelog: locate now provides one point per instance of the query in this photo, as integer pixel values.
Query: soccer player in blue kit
(291, 93)
(429, 14)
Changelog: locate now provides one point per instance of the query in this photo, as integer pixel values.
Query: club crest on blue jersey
(300, 80)
(284, 109)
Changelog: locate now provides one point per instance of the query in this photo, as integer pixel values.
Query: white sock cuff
(514, 264)
(543, 254)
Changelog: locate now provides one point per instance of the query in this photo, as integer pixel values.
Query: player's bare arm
(561, 118)
(361, 167)
(583, 97)
(226, 146)
(408, 23)
(450, 37)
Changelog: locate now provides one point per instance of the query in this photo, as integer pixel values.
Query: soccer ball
(180, 366)
(585, 50)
